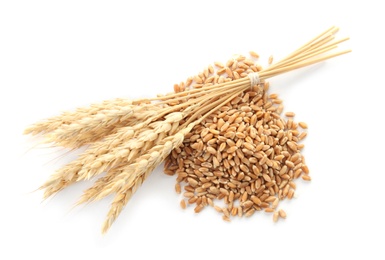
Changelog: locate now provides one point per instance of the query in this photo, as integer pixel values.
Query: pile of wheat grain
(245, 154)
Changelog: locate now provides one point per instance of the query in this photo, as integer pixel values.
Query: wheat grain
(290, 114)
(302, 125)
(282, 213)
(275, 216)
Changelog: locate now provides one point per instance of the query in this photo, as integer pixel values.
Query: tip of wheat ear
(28, 130)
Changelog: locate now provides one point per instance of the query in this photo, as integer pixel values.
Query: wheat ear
(130, 180)
(95, 127)
(69, 117)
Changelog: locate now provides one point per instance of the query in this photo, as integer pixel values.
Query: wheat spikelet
(90, 193)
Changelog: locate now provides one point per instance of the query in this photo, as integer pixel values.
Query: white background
(58, 55)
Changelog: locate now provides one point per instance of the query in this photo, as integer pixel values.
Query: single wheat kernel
(183, 204)
(250, 212)
(218, 209)
(303, 125)
(219, 65)
(234, 211)
(211, 150)
(275, 216)
(289, 114)
(254, 54)
(226, 218)
(275, 203)
(189, 81)
(290, 195)
(188, 194)
(177, 188)
(282, 213)
(230, 63)
(302, 135)
(198, 208)
(226, 212)
(305, 169)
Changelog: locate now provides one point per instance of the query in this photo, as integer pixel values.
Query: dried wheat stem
(212, 106)
(307, 55)
(198, 101)
(265, 75)
(196, 92)
(331, 30)
(315, 44)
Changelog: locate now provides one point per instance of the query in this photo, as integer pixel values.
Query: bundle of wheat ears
(128, 139)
